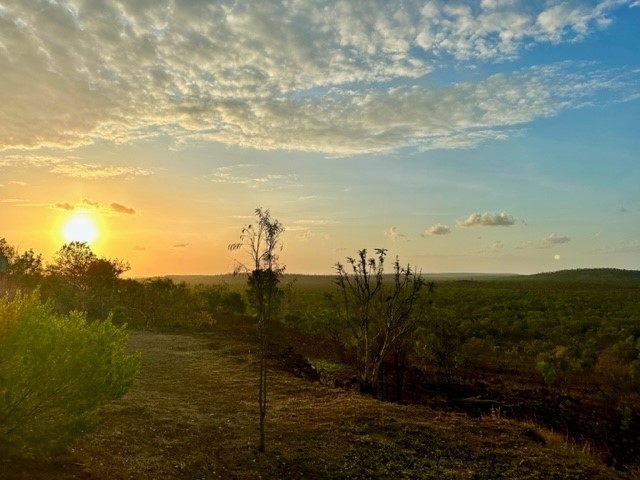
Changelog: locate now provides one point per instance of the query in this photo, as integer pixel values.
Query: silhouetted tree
(19, 271)
(79, 279)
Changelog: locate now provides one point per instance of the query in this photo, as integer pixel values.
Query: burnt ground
(193, 414)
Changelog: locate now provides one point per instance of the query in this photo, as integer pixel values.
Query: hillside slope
(193, 415)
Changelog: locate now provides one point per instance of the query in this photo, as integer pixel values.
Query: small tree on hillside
(262, 241)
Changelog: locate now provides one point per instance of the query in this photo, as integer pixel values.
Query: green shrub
(56, 371)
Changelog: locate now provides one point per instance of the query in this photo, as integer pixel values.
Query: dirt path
(193, 415)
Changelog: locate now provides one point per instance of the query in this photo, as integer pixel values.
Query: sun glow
(80, 227)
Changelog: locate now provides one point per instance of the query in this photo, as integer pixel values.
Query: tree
(358, 291)
(56, 372)
(398, 317)
(261, 243)
(19, 270)
(92, 279)
(381, 314)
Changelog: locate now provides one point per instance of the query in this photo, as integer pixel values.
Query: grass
(193, 415)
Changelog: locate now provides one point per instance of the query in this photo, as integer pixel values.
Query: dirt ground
(193, 414)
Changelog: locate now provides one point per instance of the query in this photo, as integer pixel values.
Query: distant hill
(577, 275)
(589, 275)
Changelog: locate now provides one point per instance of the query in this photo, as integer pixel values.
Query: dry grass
(193, 415)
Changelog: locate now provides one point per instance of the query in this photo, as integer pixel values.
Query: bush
(56, 371)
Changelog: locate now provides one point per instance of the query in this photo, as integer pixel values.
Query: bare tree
(380, 311)
(262, 242)
(358, 290)
(399, 313)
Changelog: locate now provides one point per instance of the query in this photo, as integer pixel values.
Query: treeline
(561, 332)
(78, 279)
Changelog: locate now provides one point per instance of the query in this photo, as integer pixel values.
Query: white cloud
(297, 76)
(247, 175)
(555, 239)
(94, 172)
(437, 229)
(393, 233)
(487, 220)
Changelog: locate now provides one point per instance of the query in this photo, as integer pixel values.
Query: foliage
(440, 342)
(548, 372)
(56, 371)
(79, 279)
(19, 270)
(619, 368)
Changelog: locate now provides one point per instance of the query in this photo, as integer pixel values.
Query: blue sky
(484, 136)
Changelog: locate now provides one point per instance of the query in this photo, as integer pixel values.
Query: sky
(497, 136)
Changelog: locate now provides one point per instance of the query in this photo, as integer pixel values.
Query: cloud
(623, 210)
(18, 183)
(437, 229)
(497, 245)
(307, 76)
(393, 233)
(119, 208)
(487, 220)
(95, 172)
(555, 239)
(235, 175)
(304, 235)
(632, 246)
(181, 245)
(87, 202)
(28, 160)
(64, 206)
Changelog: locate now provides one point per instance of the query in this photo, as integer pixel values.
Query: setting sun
(80, 227)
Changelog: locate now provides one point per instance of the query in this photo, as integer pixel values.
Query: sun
(79, 227)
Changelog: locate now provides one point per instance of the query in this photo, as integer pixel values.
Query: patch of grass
(327, 367)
